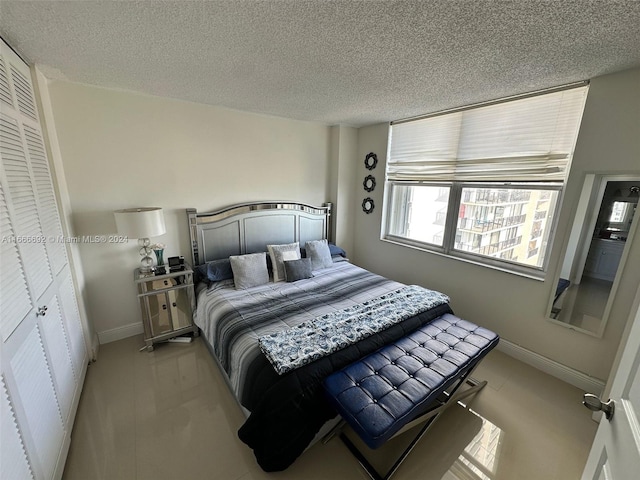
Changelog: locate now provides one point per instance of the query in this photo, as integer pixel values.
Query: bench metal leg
(430, 416)
(370, 469)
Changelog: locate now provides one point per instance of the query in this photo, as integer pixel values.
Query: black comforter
(292, 407)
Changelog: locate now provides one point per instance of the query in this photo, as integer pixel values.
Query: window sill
(533, 275)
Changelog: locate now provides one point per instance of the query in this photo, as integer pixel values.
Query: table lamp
(141, 223)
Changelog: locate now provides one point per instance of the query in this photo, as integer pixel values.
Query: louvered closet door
(43, 356)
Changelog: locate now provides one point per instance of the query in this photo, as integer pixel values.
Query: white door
(43, 356)
(615, 453)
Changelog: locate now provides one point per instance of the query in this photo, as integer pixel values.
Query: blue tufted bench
(407, 382)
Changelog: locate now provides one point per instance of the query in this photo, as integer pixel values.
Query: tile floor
(168, 414)
(584, 304)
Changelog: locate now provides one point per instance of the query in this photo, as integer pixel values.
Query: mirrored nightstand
(167, 302)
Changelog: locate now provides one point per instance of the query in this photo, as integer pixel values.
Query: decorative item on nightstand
(141, 223)
(158, 249)
(176, 264)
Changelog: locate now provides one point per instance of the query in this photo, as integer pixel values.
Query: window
(619, 212)
(484, 182)
(422, 212)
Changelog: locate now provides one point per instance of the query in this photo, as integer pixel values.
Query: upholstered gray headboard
(250, 227)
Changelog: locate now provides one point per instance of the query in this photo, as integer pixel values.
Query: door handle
(592, 402)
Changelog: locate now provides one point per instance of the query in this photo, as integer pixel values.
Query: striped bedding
(286, 411)
(233, 320)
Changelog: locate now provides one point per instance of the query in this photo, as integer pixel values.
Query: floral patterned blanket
(294, 347)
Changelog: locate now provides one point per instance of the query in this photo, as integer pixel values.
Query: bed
(558, 299)
(286, 410)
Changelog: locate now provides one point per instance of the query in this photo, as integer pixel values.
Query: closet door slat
(13, 457)
(15, 303)
(38, 400)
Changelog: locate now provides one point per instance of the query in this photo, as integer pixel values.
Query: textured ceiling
(335, 62)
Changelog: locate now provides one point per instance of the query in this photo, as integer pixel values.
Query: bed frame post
(193, 235)
(329, 228)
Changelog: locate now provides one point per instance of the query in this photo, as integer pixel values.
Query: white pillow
(319, 253)
(280, 253)
(249, 270)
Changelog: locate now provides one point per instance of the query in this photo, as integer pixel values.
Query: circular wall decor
(369, 183)
(370, 161)
(367, 205)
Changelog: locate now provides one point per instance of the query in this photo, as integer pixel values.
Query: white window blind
(526, 139)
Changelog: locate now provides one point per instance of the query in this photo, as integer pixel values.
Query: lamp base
(146, 263)
(145, 268)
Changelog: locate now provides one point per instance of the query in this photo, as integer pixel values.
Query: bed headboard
(250, 227)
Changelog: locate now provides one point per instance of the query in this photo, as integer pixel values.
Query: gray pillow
(249, 270)
(295, 270)
(279, 254)
(319, 253)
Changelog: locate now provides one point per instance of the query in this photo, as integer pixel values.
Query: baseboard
(573, 377)
(119, 333)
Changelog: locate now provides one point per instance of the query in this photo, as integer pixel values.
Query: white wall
(123, 150)
(344, 149)
(514, 306)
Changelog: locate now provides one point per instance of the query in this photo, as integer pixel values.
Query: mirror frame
(593, 181)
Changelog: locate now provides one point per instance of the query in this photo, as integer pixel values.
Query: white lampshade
(141, 222)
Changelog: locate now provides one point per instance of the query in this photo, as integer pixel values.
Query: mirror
(604, 224)
(369, 183)
(367, 205)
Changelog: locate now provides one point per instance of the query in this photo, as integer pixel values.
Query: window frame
(451, 225)
(470, 147)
